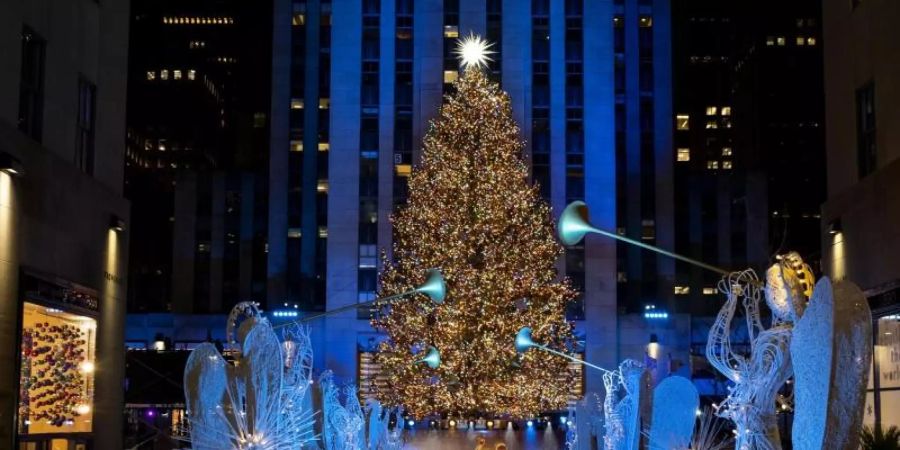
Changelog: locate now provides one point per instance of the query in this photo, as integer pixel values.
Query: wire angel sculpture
(622, 405)
(381, 436)
(257, 402)
(585, 423)
(758, 377)
(343, 422)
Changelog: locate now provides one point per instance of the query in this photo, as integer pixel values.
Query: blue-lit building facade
(354, 85)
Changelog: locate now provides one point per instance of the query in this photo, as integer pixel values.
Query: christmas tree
(473, 213)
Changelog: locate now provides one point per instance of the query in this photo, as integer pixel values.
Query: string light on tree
(473, 212)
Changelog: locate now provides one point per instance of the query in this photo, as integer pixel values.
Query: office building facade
(63, 223)
(860, 237)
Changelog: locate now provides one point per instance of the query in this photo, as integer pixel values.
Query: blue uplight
(530, 424)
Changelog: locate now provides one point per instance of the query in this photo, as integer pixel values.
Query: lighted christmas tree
(473, 213)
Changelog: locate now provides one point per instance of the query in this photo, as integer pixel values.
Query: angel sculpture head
(789, 285)
(257, 401)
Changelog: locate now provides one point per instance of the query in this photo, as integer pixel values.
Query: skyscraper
(354, 85)
(196, 155)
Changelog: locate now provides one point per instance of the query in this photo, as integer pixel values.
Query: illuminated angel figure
(258, 401)
(757, 378)
(621, 406)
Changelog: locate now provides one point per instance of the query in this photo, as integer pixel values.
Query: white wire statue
(622, 405)
(256, 402)
(757, 377)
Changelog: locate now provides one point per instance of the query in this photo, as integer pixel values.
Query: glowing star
(472, 51)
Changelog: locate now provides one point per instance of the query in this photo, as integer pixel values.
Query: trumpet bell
(434, 286)
(574, 223)
(433, 358)
(523, 340)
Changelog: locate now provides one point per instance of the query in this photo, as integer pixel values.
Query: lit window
(162, 145)
(164, 74)
(203, 247)
(683, 155)
(323, 232)
(192, 74)
(725, 110)
(176, 74)
(709, 291)
(322, 186)
(711, 110)
(726, 151)
(770, 41)
(324, 146)
(294, 233)
(712, 165)
(450, 76)
(151, 75)
(324, 103)
(726, 165)
(780, 41)
(298, 19)
(297, 146)
(403, 170)
(711, 125)
(296, 103)
(682, 122)
(682, 290)
(645, 22)
(810, 41)
(451, 31)
(259, 120)
(801, 40)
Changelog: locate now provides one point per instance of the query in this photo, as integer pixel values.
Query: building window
(725, 110)
(726, 151)
(164, 74)
(297, 145)
(298, 19)
(780, 41)
(866, 149)
(176, 74)
(712, 125)
(324, 103)
(801, 41)
(645, 22)
(682, 122)
(726, 165)
(683, 155)
(324, 146)
(451, 31)
(810, 41)
(151, 75)
(31, 84)
(709, 291)
(770, 41)
(712, 165)
(682, 290)
(192, 74)
(711, 110)
(56, 371)
(322, 186)
(296, 103)
(450, 76)
(84, 146)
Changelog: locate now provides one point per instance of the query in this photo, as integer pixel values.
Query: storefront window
(886, 384)
(56, 388)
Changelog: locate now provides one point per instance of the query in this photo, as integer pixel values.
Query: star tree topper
(473, 51)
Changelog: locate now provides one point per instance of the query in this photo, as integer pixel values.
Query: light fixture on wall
(835, 226)
(116, 223)
(11, 165)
